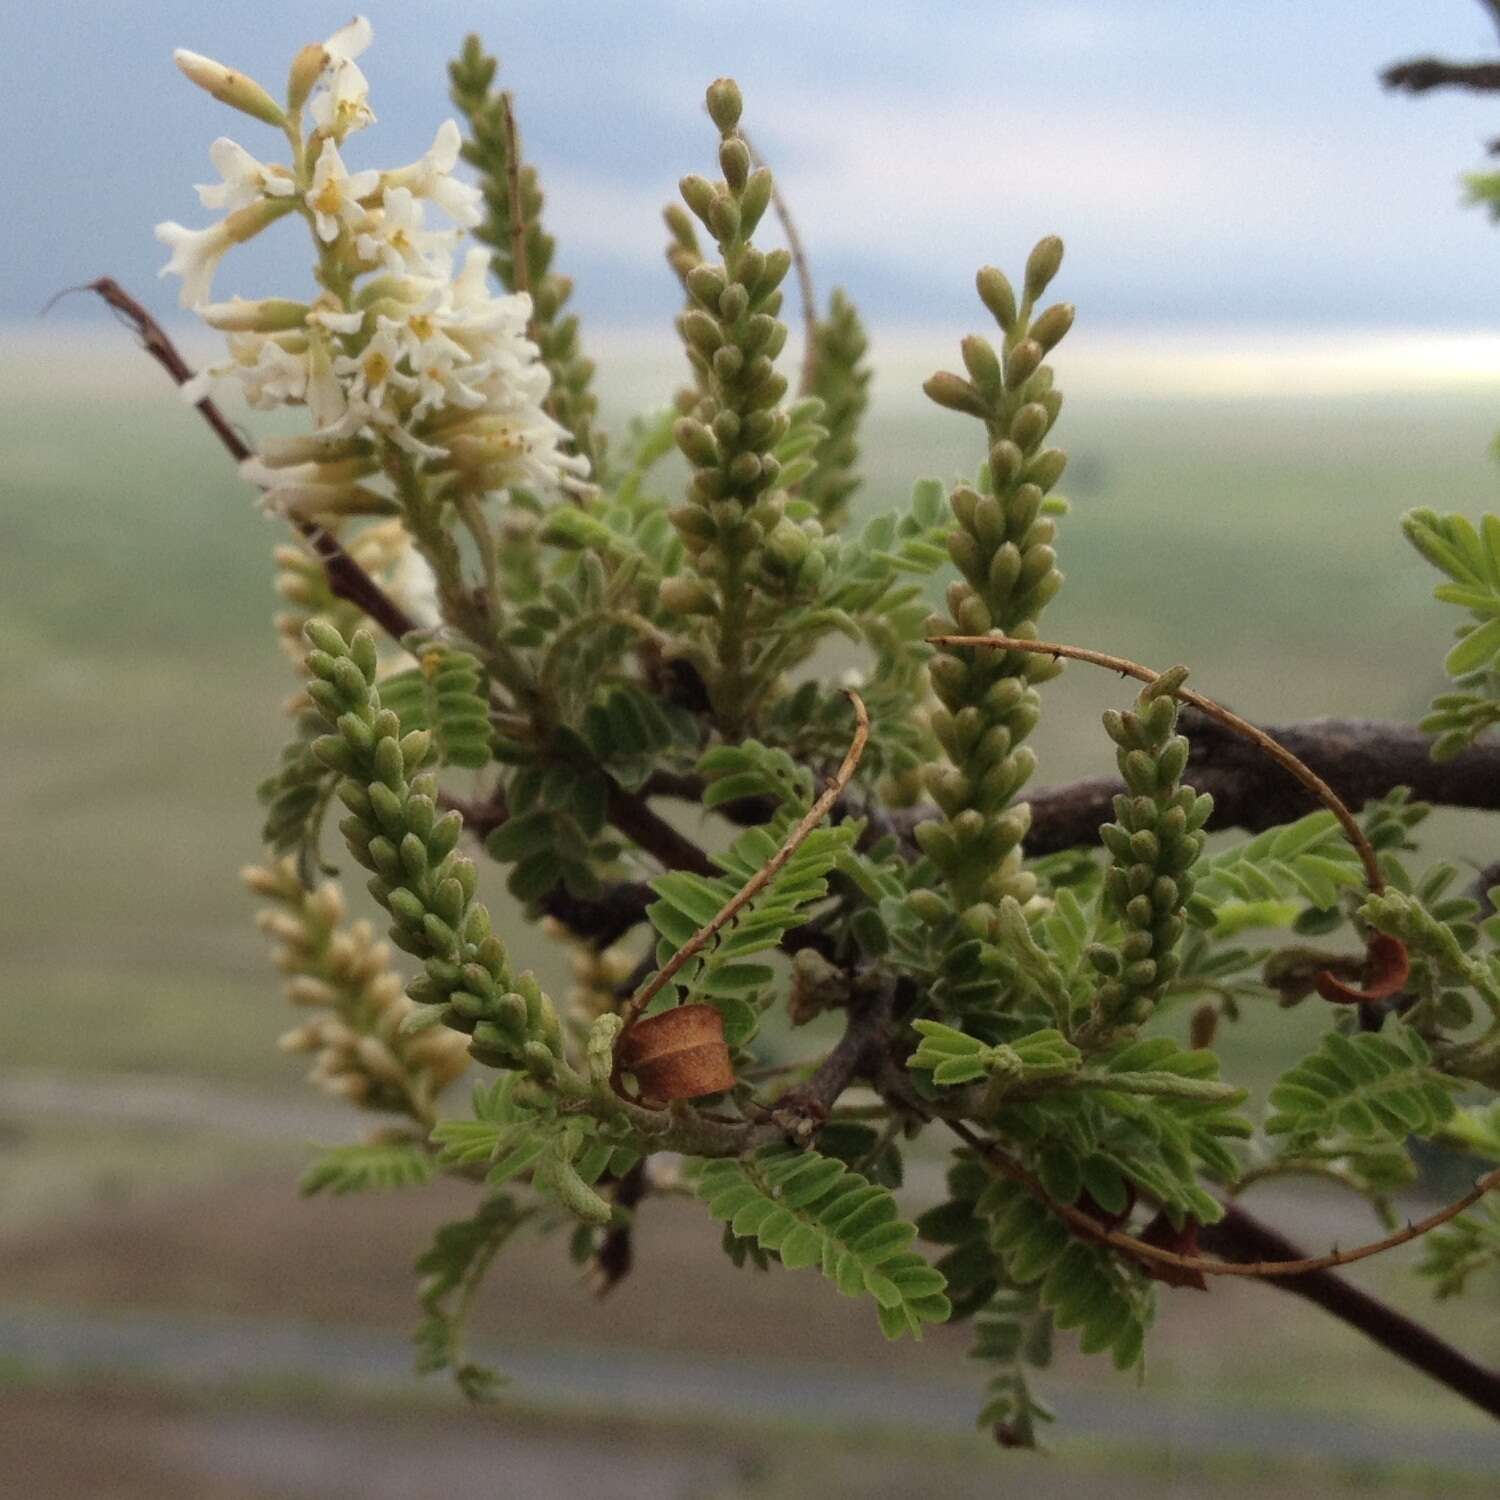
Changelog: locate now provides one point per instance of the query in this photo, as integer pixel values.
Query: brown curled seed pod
(679, 1054)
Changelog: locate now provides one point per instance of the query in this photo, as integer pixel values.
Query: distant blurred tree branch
(1420, 75)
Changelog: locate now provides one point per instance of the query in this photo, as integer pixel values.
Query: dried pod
(1387, 968)
(679, 1054)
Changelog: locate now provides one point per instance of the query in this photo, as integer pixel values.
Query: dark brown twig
(346, 579)
(521, 272)
(1090, 1227)
(1418, 75)
(1216, 711)
(1239, 1236)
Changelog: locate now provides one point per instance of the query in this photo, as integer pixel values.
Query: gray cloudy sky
(1208, 161)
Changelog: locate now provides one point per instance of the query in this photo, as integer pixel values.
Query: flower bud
(1042, 265)
(266, 315)
(698, 193)
(687, 596)
(234, 89)
(734, 163)
(1022, 362)
(1029, 426)
(724, 218)
(996, 293)
(1048, 330)
(696, 442)
(307, 68)
(706, 283)
(754, 200)
(725, 104)
(788, 542)
(1005, 463)
(982, 363)
(954, 392)
(1047, 467)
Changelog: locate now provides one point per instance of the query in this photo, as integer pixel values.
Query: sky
(1210, 163)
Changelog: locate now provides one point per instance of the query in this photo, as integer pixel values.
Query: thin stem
(521, 271)
(758, 882)
(1216, 711)
(1092, 1229)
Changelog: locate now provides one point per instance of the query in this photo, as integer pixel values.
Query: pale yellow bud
(237, 90)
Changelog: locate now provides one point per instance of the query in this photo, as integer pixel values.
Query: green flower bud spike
(1002, 545)
(427, 888)
(748, 558)
(1153, 843)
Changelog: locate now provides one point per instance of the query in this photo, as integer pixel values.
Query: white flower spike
(396, 349)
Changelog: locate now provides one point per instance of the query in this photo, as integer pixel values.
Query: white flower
(344, 102)
(196, 254)
(335, 193)
(350, 41)
(325, 391)
(245, 178)
(373, 371)
(269, 375)
(398, 241)
(430, 178)
(334, 319)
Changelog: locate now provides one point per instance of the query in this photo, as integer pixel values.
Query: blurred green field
(1254, 537)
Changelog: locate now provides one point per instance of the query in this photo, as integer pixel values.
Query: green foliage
(954, 1058)
(1081, 1285)
(1470, 557)
(395, 1162)
(1366, 1086)
(296, 797)
(444, 695)
(813, 1211)
(510, 1136)
(1014, 1333)
(1475, 1129)
(1461, 1249)
(1311, 860)
(451, 1271)
(722, 974)
(1149, 1116)
(606, 650)
(1440, 946)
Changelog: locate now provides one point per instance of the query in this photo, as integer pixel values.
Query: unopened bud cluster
(1002, 545)
(1154, 841)
(394, 829)
(360, 1051)
(734, 522)
(841, 381)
